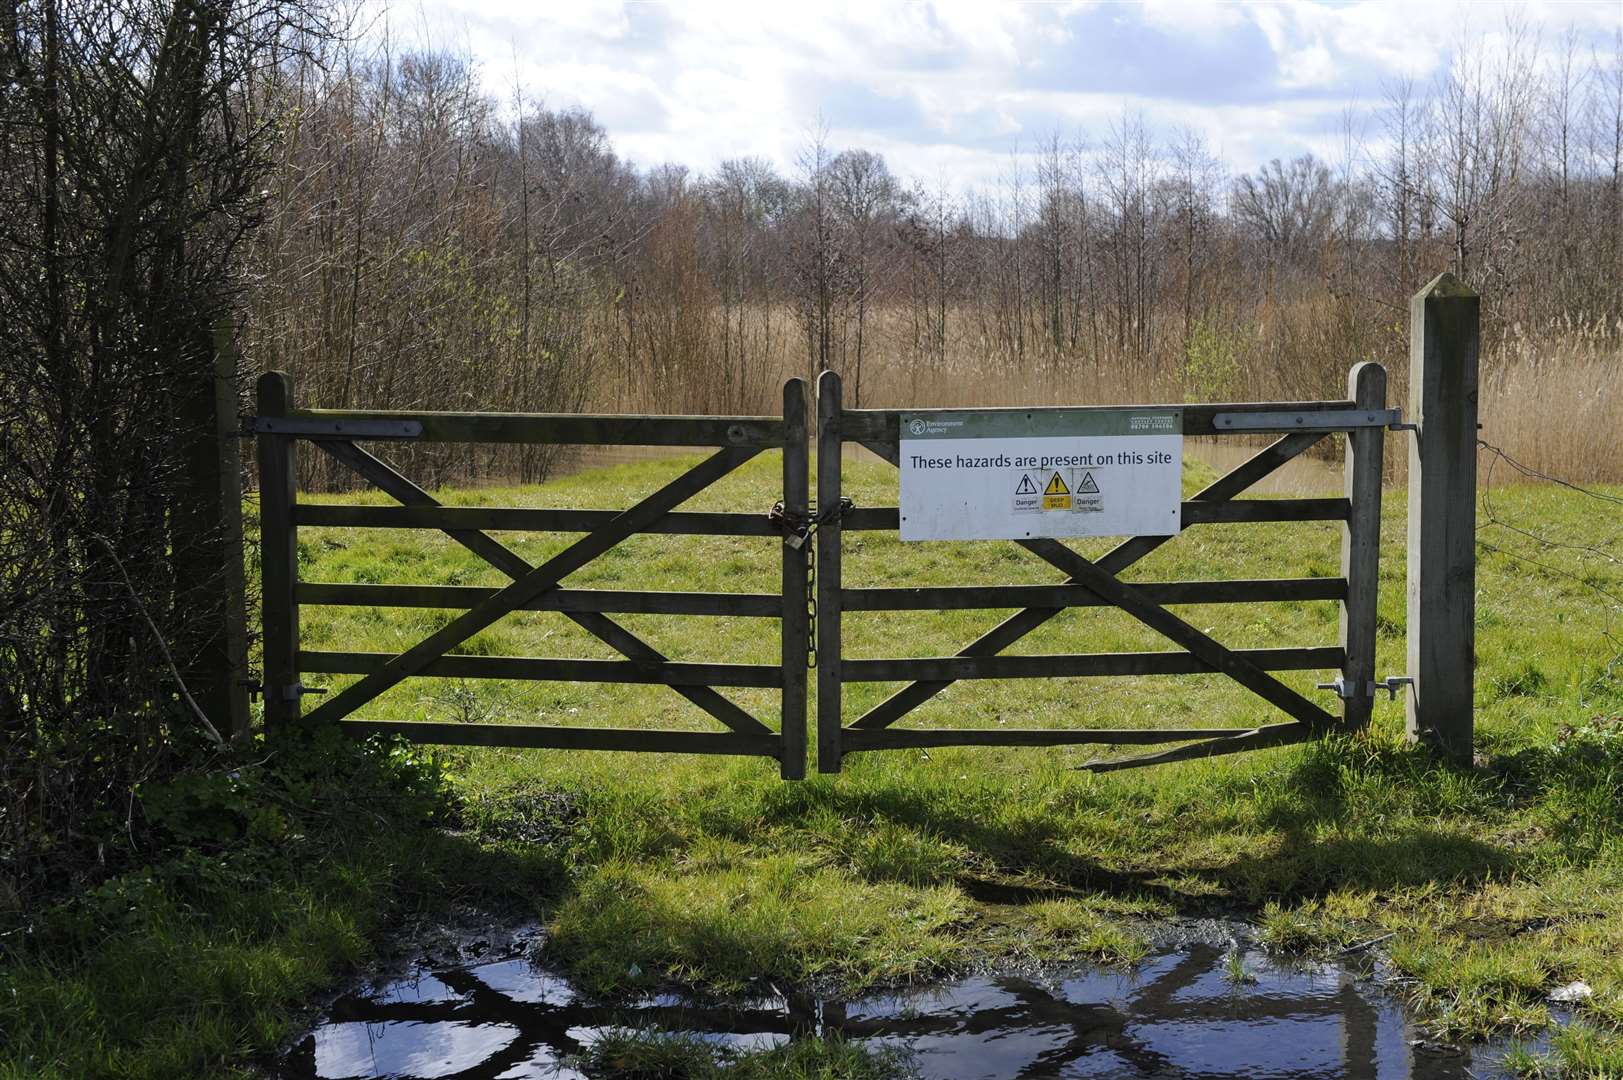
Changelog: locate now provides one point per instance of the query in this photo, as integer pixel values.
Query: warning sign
(1017, 473)
(1056, 496)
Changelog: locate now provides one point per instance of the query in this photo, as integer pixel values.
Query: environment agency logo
(916, 426)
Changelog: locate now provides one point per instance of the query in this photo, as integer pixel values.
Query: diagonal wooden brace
(1118, 559)
(1221, 658)
(389, 480)
(534, 583)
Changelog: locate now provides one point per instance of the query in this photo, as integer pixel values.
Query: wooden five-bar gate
(1094, 583)
(281, 428)
(1440, 567)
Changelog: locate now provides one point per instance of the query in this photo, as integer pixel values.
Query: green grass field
(1486, 887)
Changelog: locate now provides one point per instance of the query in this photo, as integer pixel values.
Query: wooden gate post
(278, 555)
(792, 765)
(1361, 547)
(1444, 326)
(207, 549)
(829, 674)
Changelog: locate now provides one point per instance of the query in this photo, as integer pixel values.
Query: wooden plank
(278, 556)
(620, 601)
(956, 668)
(536, 669)
(744, 432)
(1240, 511)
(957, 597)
(1256, 739)
(568, 738)
(888, 518)
(884, 425)
(533, 584)
(896, 738)
(1361, 548)
(796, 624)
(830, 435)
(1444, 336)
(515, 566)
(1117, 559)
(522, 519)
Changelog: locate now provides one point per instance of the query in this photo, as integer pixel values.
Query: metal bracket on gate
(1391, 684)
(337, 429)
(1326, 420)
(1346, 691)
(298, 690)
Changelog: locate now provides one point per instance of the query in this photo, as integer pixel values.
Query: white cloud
(954, 86)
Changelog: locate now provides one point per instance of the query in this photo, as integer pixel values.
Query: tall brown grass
(1551, 396)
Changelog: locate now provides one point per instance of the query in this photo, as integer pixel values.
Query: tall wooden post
(828, 574)
(1444, 326)
(278, 556)
(795, 616)
(207, 548)
(1361, 547)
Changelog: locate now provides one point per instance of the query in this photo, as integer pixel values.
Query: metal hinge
(1322, 420)
(308, 428)
(1343, 690)
(298, 690)
(1391, 684)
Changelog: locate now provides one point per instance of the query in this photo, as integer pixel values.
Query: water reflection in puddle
(1179, 1014)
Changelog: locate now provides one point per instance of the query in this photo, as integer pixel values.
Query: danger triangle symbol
(1026, 486)
(1087, 486)
(1056, 486)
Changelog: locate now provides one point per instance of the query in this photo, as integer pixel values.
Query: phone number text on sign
(1011, 474)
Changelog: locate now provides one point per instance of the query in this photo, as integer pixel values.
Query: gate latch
(297, 690)
(1393, 683)
(1346, 691)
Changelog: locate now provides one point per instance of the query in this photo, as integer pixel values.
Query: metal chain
(811, 606)
(798, 530)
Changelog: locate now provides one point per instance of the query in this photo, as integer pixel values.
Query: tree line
(430, 245)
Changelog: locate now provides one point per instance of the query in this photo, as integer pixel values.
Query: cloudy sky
(950, 90)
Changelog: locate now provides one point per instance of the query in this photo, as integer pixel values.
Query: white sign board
(1010, 474)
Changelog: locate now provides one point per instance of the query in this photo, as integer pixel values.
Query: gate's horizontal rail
(953, 597)
(570, 738)
(859, 425)
(524, 519)
(942, 668)
(567, 670)
(755, 605)
(895, 738)
(575, 428)
(1203, 512)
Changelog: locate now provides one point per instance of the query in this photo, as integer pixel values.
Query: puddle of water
(1178, 1014)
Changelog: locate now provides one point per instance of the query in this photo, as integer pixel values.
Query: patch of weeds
(1075, 931)
(888, 851)
(269, 874)
(1236, 972)
(646, 1054)
(1526, 680)
(530, 812)
(1295, 929)
(764, 917)
(1589, 1051)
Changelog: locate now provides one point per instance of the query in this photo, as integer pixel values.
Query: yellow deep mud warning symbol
(1056, 496)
